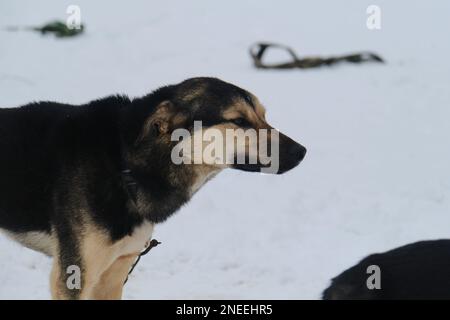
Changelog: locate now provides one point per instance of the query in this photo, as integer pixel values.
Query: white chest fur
(45, 243)
(136, 242)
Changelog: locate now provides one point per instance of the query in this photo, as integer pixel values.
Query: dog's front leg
(58, 285)
(110, 284)
(67, 275)
(90, 269)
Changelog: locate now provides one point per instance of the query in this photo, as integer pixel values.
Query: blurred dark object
(420, 270)
(257, 52)
(57, 28)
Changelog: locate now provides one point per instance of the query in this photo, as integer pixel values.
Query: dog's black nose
(297, 151)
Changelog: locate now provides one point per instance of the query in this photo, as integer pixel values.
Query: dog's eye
(240, 122)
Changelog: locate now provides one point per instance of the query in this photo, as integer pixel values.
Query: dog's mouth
(289, 157)
(248, 167)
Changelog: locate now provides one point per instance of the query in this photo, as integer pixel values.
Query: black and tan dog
(86, 184)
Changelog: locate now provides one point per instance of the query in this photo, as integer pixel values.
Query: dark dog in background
(419, 270)
(85, 184)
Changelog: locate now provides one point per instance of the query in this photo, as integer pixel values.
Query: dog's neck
(157, 194)
(155, 186)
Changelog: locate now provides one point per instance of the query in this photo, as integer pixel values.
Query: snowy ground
(377, 172)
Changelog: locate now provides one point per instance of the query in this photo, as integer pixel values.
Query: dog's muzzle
(291, 154)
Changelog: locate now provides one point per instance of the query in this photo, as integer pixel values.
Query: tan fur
(241, 108)
(105, 264)
(256, 116)
(193, 94)
(259, 108)
(178, 120)
(55, 282)
(110, 285)
(203, 173)
(39, 241)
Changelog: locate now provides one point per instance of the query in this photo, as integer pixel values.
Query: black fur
(419, 270)
(43, 147)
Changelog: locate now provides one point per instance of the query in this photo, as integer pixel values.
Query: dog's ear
(159, 121)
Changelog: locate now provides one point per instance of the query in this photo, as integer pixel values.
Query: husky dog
(86, 184)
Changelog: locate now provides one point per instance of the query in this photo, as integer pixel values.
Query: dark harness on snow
(258, 50)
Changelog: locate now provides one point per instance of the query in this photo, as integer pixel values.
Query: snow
(376, 175)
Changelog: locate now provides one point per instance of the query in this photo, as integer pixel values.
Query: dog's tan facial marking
(250, 109)
(259, 108)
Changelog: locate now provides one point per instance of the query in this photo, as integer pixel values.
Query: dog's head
(208, 122)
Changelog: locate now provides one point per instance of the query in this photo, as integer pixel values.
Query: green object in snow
(59, 29)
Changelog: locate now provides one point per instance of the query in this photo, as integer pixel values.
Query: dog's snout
(291, 153)
(297, 151)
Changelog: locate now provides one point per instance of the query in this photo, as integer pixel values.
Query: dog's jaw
(203, 175)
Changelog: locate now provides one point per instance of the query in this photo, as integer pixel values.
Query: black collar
(128, 181)
(130, 185)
